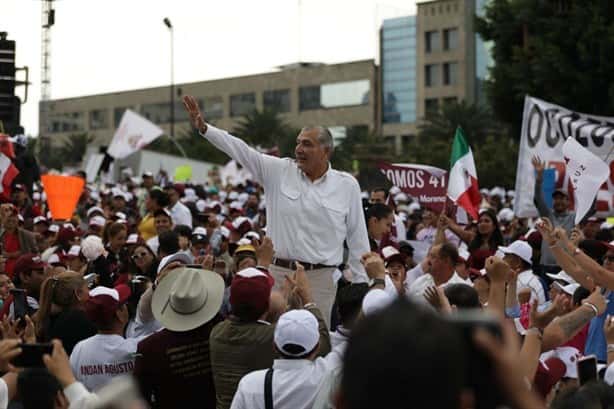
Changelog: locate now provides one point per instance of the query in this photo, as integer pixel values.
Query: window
(431, 75)
(431, 105)
(159, 113)
(450, 39)
(347, 93)
(432, 41)
(450, 73)
(213, 107)
(277, 100)
(99, 119)
(67, 122)
(242, 104)
(309, 98)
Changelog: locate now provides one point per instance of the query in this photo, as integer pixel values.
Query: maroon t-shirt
(173, 369)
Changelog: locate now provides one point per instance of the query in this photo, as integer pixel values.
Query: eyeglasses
(137, 256)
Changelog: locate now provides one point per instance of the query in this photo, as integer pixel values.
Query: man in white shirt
(518, 256)
(311, 208)
(179, 212)
(297, 375)
(163, 222)
(98, 359)
(441, 263)
(429, 230)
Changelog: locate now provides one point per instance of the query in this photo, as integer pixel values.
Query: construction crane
(47, 21)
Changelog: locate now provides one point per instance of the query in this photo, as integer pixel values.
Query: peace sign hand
(191, 105)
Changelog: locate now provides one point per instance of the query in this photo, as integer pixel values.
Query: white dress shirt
(417, 288)
(181, 214)
(527, 279)
(295, 382)
(307, 221)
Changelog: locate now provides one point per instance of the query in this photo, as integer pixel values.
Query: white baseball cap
(562, 276)
(132, 239)
(568, 289)
(98, 221)
(375, 300)
(519, 248)
(296, 333)
(74, 251)
(93, 210)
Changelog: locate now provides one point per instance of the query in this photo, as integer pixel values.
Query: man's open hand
(191, 105)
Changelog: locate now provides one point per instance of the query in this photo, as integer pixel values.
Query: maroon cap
(66, 234)
(104, 302)
(28, 262)
(548, 374)
(251, 287)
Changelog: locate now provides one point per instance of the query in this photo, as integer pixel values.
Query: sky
(114, 45)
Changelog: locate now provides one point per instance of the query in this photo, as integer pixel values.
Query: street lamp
(167, 23)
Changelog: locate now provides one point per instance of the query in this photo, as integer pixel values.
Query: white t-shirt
(96, 360)
(153, 244)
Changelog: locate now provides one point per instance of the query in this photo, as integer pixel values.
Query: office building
(338, 96)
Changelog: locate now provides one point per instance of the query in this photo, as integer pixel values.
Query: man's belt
(289, 264)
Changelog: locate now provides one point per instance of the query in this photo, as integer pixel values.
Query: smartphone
(32, 355)
(194, 266)
(20, 304)
(479, 375)
(587, 369)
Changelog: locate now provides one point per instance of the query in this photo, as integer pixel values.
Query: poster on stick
(545, 128)
(427, 184)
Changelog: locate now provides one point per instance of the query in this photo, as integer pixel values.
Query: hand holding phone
(587, 369)
(32, 355)
(20, 304)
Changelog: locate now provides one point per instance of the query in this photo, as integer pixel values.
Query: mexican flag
(463, 181)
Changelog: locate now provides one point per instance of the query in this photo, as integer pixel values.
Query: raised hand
(538, 165)
(265, 252)
(576, 236)
(374, 265)
(191, 105)
(544, 226)
(496, 269)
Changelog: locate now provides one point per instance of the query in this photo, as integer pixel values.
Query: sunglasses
(137, 256)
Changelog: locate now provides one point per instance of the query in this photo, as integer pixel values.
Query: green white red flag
(463, 182)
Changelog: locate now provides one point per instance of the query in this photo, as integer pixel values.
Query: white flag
(587, 172)
(134, 132)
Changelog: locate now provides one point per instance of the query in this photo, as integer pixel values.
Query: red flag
(8, 171)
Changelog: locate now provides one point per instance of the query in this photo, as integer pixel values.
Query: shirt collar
(291, 364)
(321, 179)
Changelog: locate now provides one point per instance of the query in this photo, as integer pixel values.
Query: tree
(266, 129)
(475, 120)
(557, 50)
(73, 150)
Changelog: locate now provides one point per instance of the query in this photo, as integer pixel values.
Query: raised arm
(465, 235)
(262, 167)
(538, 194)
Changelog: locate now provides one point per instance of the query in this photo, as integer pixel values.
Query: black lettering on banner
(535, 113)
(552, 132)
(580, 133)
(575, 119)
(563, 131)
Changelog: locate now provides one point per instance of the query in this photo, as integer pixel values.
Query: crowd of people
(295, 289)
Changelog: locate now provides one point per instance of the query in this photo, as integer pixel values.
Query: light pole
(167, 23)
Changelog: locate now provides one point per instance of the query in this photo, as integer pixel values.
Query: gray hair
(324, 136)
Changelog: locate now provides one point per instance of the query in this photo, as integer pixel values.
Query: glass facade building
(398, 70)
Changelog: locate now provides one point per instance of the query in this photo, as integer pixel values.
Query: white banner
(134, 133)
(545, 127)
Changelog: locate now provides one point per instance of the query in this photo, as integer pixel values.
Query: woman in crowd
(144, 261)
(61, 312)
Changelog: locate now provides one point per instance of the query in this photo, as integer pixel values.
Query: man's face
(252, 202)
(310, 154)
(560, 203)
(11, 222)
(591, 229)
(435, 262)
(397, 271)
(512, 260)
(608, 260)
(33, 281)
(163, 224)
(380, 227)
(5, 286)
(428, 218)
(377, 196)
(148, 182)
(173, 196)
(19, 196)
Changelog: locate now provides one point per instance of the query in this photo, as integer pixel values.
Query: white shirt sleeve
(357, 237)
(261, 166)
(4, 394)
(238, 401)
(79, 397)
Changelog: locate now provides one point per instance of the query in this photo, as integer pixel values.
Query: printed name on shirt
(107, 369)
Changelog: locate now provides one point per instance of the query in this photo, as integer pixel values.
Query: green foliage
(557, 50)
(495, 154)
(56, 157)
(267, 129)
(73, 151)
(195, 146)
